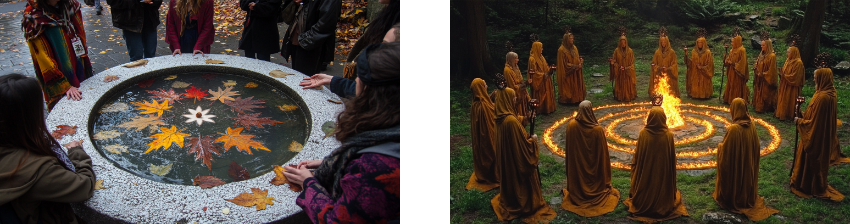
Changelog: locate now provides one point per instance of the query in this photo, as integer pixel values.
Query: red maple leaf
(248, 120)
(196, 93)
(146, 83)
(207, 182)
(242, 105)
(204, 148)
(169, 95)
(237, 172)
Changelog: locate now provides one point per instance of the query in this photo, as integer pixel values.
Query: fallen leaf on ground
(203, 148)
(152, 107)
(103, 135)
(335, 101)
(164, 139)
(295, 146)
(211, 61)
(251, 85)
(180, 85)
(233, 137)
(171, 77)
(114, 107)
(279, 74)
(140, 123)
(99, 185)
(328, 127)
(110, 78)
(248, 120)
(136, 63)
(146, 83)
(195, 93)
(229, 83)
(117, 149)
(245, 105)
(237, 172)
(63, 130)
(207, 182)
(280, 179)
(161, 170)
(287, 107)
(169, 95)
(223, 95)
(258, 198)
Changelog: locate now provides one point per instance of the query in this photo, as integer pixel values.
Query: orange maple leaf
(258, 198)
(153, 107)
(164, 139)
(280, 179)
(242, 142)
(64, 130)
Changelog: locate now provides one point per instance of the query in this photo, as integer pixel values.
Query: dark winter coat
(260, 34)
(317, 27)
(133, 15)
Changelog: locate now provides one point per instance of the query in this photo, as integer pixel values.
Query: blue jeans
(97, 5)
(141, 45)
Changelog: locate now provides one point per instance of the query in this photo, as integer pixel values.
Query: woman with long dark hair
(57, 41)
(38, 179)
(359, 181)
(189, 26)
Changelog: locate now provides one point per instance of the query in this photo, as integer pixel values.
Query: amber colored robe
(624, 81)
(520, 195)
(513, 78)
(764, 81)
(736, 186)
(817, 129)
(589, 192)
(700, 71)
(541, 83)
(790, 85)
(483, 121)
(737, 73)
(653, 196)
(569, 75)
(664, 57)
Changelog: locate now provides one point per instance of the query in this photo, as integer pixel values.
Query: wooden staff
(797, 114)
(611, 73)
(725, 54)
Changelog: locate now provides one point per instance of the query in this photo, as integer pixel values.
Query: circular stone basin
(134, 194)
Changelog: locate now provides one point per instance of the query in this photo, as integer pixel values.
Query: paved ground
(106, 45)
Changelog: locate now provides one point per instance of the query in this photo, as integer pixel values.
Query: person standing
(737, 72)
(260, 38)
(764, 82)
(570, 76)
(383, 22)
(514, 81)
(57, 42)
(664, 66)
(189, 26)
(308, 39)
(541, 81)
(484, 177)
(791, 84)
(589, 191)
(700, 69)
(138, 21)
(622, 70)
(736, 186)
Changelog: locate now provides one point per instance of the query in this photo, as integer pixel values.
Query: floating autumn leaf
(237, 172)
(248, 120)
(99, 185)
(195, 93)
(211, 61)
(328, 127)
(103, 135)
(180, 85)
(335, 101)
(203, 148)
(137, 63)
(251, 85)
(229, 83)
(169, 95)
(208, 76)
(295, 146)
(161, 170)
(258, 198)
(207, 182)
(245, 105)
(165, 138)
(114, 107)
(279, 74)
(140, 123)
(63, 130)
(287, 107)
(233, 137)
(117, 149)
(171, 77)
(152, 107)
(280, 179)
(110, 78)
(146, 83)
(223, 95)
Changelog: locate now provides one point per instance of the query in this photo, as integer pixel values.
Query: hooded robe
(483, 154)
(513, 79)
(764, 81)
(790, 85)
(737, 73)
(624, 80)
(665, 58)
(541, 84)
(700, 71)
(569, 75)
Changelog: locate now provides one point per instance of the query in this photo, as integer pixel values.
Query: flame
(671, 103)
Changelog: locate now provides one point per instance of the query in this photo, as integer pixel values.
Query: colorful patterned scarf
(332, 169)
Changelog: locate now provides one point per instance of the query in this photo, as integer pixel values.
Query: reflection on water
(276, 138)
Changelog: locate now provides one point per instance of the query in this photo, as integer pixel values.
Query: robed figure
(569, 75)
(653, 196)
(765, 78)
(513, 79)
(736, 186)
(589, 191)
(790, 85)
(622, 72)
(664, 66)
(482, 127)
(737, 73)
(541, 81)
(700, 71)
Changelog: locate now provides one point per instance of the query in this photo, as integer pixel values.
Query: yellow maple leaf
(251, 85)
(222, 95)
(287, 107)
(229, 83)
(164, 139)
(161, 170)
(117, 149)
(154, 107)
(140, 123)
(233, 137)
(99, 185)
(102, 135)
(295, 146)
(258, 198)
(280, 179)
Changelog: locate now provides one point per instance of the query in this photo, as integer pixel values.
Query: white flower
(198, 115)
